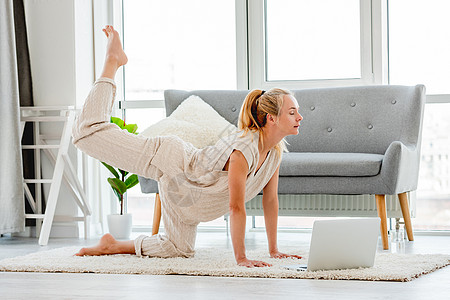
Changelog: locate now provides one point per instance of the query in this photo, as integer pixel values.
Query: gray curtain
(12, 212)
(26, 99)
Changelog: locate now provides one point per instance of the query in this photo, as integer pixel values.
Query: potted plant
(120, 224)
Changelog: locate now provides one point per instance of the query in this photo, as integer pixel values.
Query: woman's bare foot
(107, 245)
(114, 49)
(115, 56)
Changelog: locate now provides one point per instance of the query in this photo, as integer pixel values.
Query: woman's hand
(278, 254)
(252, 263)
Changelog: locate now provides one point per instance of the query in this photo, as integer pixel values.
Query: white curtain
(12, 213)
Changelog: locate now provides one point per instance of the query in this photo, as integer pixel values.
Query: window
(433, 192)
(173, 44)
(178, 44)
(310, 39)
(419, 44)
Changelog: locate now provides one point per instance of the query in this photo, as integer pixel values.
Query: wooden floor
(98, 286)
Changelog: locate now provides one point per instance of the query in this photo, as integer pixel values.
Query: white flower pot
(120, 226)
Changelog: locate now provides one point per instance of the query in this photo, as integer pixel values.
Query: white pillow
(194, 121)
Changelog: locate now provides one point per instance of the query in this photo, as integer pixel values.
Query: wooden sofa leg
(381, 208)
(156, 215)
(403, 198)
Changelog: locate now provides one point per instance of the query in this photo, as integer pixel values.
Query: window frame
(250, 52)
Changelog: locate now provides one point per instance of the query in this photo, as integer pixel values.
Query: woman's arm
(270, 207)
(237, 176)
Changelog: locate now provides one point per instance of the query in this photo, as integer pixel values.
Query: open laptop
(342, 244)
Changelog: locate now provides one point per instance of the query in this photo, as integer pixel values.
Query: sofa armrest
(400, 167)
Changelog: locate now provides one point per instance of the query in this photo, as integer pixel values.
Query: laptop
(342, 244)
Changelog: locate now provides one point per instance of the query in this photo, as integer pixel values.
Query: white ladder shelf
(63, 169)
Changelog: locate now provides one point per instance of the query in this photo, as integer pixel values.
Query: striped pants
(178, 240)
(96, 136)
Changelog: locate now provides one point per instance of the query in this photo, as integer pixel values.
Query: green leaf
(118, 185)
(118, 122)
(131, 181)
(124, 173)
(131, 128)
(111, 169)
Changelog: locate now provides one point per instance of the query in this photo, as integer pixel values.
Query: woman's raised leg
(115, 58)
(94, 135)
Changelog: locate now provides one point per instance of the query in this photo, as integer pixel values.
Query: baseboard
(64, 231)
(30, 231)
(58, 231)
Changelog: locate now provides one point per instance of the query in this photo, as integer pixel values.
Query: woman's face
(289, 118)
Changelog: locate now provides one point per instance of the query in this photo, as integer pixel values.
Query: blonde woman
(196, 185)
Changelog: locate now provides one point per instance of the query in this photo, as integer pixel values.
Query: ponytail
(250, 118)
(257, 105)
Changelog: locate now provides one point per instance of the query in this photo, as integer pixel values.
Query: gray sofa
(352, 141)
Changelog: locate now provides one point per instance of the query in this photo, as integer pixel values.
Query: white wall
(62, 66)
(84, 50)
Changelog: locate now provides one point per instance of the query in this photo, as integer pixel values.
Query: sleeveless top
(195, 185)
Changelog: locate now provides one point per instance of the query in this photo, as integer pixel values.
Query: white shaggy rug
(219, 262)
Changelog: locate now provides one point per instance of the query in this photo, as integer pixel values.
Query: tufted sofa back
(364, 119)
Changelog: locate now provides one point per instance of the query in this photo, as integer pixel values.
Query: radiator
(332, 205)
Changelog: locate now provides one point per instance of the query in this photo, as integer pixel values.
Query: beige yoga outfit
(192, 184)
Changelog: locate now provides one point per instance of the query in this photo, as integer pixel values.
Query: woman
(196, 185)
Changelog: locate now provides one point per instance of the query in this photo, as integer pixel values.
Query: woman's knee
(161, 246)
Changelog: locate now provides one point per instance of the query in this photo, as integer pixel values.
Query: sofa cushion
(330, 164)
